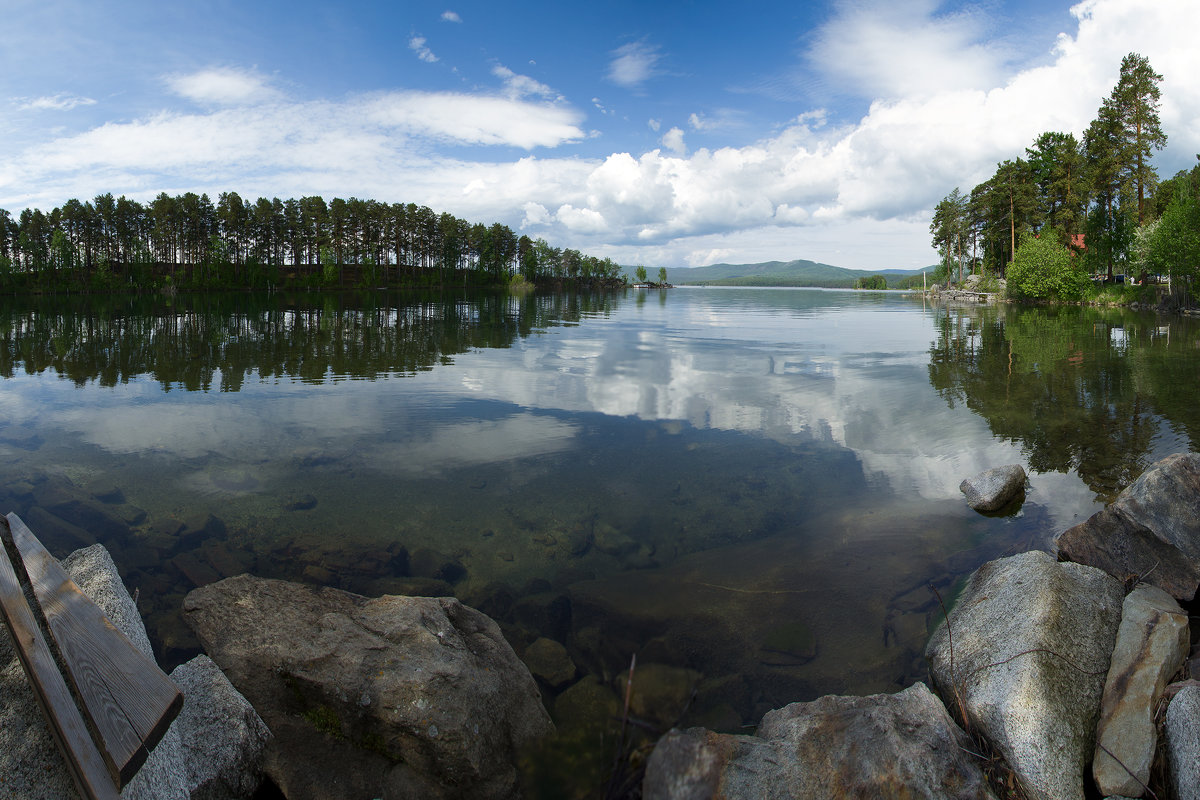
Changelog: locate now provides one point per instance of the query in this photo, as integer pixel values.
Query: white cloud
(222, 86)
(536, 215)
(898, 48)
(654, 124)
(634, 63)
(518, 86)
(451, 16)
(581, 220)
(477, 119)
(417, 45)
(55, 102)
(673, 141)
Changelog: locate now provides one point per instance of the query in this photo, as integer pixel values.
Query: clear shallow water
(751, 490)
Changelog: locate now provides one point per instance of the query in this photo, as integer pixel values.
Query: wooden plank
(127, 698)
(88, 768)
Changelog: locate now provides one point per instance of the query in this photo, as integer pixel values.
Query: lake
(753, 491)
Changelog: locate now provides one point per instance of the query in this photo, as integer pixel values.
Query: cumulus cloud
(55, 102)
(417, 45)
(450, 16)
(222, 86)
(634, 63)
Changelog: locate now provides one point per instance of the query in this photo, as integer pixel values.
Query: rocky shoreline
(1054, 674)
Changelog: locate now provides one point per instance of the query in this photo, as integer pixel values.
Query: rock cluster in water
(1061, 668)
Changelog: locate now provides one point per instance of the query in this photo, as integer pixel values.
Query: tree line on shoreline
(1073, 208)
(188, 242)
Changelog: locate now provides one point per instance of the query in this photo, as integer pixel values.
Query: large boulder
(1150, 532)
(1024, 655)
(385, 697)
(29, 760)
(1182, 734)
(993, 489)
(901, 745)
(223, 737)
(1152, 642)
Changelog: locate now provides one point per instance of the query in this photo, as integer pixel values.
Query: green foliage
(872, 282)
(640, 273)
(1171, 245)
(662, 274)
(1043, 269)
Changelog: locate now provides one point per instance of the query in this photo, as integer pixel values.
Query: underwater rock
(995, 488)
(427, 563)
(548, 661)
(385, 697)
(1002, 656)
(899, 745)
(300, 502)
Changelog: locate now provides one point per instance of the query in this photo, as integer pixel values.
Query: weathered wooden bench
(122, 703)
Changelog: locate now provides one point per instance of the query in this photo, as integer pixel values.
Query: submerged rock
(549, 661)
(391, 697)
(900, 745)
(1151, 531)
(995, 488)
(1025, 652)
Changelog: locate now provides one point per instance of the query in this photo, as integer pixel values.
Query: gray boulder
(223, 737)
(1024, 655)
(995, 488)
(1182, 734)
(385, 697)
(900, 745)
(1152, 642)
(29, 760)
(1151, 531)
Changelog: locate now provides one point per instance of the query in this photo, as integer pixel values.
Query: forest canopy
(189, 242)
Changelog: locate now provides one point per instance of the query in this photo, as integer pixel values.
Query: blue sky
(668, 133)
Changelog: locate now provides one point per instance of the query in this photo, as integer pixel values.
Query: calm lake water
(751, 490)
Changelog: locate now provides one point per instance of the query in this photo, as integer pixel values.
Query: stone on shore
(900, 745)
(1152, 642)
(30, 764)
(1032, 639)
(223, 737)
(995, 488)
(1151, 531)
(1182, 735)
(386, 697)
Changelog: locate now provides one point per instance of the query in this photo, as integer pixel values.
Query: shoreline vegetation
(1082, 220)
(189, 243)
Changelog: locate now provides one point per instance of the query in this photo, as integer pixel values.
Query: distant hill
(780, 273)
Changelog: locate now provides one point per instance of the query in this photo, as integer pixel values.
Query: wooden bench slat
(88, 768)
(128, 699)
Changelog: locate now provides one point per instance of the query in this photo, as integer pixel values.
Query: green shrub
(1043, 269)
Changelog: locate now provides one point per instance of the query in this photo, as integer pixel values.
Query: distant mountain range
(779, 273)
